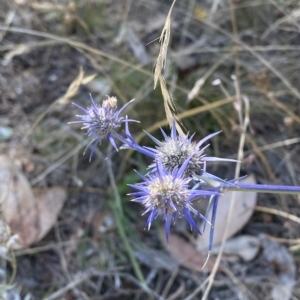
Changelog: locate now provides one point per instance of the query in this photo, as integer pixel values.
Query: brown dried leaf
(28, 216)
(186, 253)
(49, 204)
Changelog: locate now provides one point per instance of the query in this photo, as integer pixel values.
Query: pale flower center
(174, 153)
(166, 190)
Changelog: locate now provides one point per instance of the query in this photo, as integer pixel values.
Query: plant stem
(262, 188)
(121, 229)
(119, 218)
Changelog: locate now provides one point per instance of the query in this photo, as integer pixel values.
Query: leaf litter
(30, 215)
(284, 268)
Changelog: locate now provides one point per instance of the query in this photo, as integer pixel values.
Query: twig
(70, 286)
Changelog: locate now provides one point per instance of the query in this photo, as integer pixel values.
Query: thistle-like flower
(167, 193)
(102, 121)
(174, 152)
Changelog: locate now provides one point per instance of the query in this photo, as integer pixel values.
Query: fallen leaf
(244, 205)
(186, 253)
(29, 216)
(283, 265)
(49, 204)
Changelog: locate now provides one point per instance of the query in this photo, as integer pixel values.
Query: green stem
(119, 217)
(121, 228)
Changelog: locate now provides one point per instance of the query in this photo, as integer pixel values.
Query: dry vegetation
(56, 52)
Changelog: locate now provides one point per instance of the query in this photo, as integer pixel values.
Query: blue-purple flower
(167, 193)
(174, 152)
(102, 121)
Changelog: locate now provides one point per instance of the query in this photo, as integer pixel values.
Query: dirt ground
(49, 52)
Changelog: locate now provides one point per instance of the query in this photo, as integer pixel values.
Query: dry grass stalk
(160, 65)
(200, 82)
(164, 40)
(168, 101)
(263, 158)
(278, 212)
(260, 58)
(74, 87)
(24, 48)
(63, 100)
(283, 107)
(244, 125)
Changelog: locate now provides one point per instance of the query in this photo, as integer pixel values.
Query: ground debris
(284, 268)
(29, 215)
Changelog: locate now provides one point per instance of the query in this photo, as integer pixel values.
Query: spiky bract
(102, 121)
(175, 150)
(167, 193)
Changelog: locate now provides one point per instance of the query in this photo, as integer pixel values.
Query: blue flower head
(167, 193)
(102, 121)
(174, 151)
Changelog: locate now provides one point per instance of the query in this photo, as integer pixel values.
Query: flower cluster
(177, 176)
(175, 150)
(176, 159)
